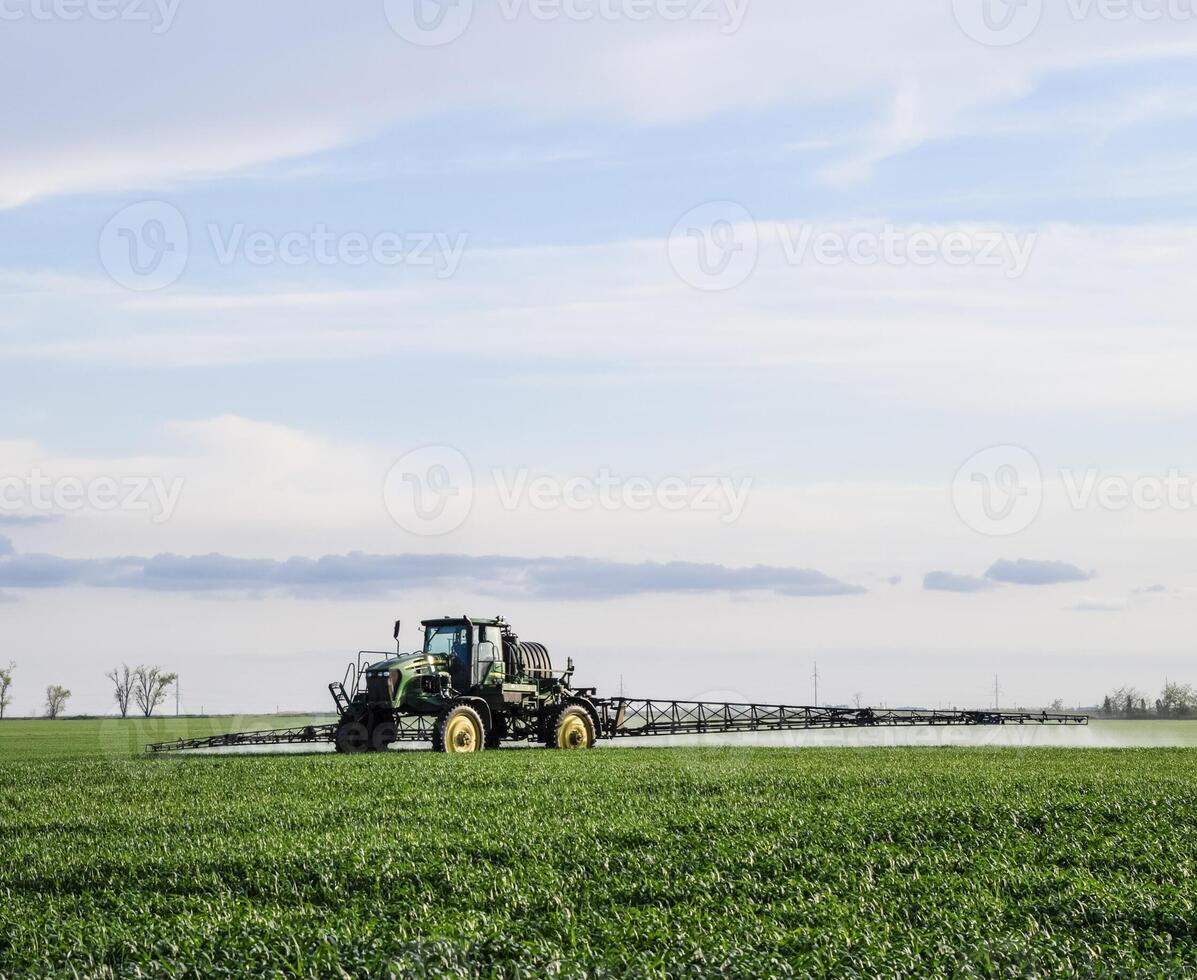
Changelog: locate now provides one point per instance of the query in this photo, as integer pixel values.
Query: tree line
(1174, 701)
(144, 686)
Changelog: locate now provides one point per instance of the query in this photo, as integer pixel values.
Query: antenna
(997, 692)
(815, 677)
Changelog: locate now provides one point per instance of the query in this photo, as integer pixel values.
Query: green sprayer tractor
(474, 684)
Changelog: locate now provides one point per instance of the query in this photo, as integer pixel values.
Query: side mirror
(397, 622)
(486, 651)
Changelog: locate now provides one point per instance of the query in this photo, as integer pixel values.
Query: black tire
(352, 738)
(385, 732)
(570, 727)
(459, 729)
(498, 732)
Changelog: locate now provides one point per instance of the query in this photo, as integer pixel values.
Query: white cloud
(148, 110)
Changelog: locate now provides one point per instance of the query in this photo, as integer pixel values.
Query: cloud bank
(1025, 571)
(357, 573)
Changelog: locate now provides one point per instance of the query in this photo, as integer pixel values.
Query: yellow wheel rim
(462, 735)
(572, 733)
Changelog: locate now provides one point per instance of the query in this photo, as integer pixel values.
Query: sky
(706, 340)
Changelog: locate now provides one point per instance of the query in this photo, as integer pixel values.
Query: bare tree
(56, 699)
(149, 687)
(1128, 700)
(122, 687)
(5, 684)
(1177, 700)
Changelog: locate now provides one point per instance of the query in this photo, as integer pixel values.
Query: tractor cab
(471, 649)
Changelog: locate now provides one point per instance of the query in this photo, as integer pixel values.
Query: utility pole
(997, 691)
(815, 677)
(176, 697)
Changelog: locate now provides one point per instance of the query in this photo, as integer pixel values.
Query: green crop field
(116, 739)
(678, 862)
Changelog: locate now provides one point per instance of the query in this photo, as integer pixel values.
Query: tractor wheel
(352, 738)
(570, 727)
(459, 729)
(383, 735)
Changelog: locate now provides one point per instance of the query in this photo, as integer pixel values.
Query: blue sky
(564, 161)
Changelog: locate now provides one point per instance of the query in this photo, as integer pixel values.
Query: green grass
(114, 738)
(745, 862)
